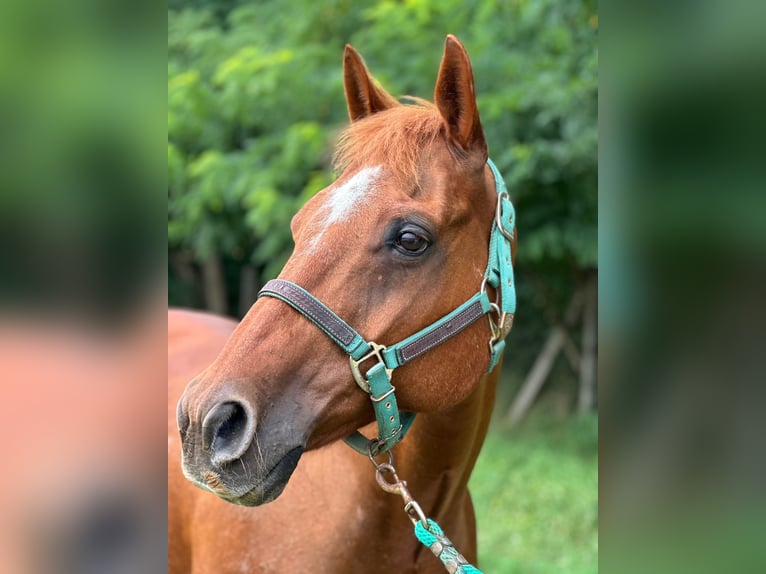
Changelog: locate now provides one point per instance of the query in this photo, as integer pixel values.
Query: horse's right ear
(456, 99)
(363, 96)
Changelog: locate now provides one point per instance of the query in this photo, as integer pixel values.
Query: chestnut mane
(395, 137)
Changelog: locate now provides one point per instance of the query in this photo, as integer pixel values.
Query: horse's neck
(438, 455)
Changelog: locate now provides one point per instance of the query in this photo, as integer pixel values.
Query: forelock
(394, 138)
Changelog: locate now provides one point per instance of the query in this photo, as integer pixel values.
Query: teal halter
(392, 425)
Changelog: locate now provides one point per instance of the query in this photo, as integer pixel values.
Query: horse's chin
(271, 486)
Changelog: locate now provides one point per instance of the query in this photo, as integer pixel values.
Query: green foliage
(255, 96)
(250, 114)
(535, 491)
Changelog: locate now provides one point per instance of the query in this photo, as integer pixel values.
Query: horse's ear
(456, 99)
(363, 96)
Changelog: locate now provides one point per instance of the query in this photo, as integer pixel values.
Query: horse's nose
(227, 431)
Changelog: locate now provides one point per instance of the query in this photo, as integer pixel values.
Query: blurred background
(255, 102)
(682, 200)
(82, 288)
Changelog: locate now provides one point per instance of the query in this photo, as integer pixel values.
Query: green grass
(535, 490)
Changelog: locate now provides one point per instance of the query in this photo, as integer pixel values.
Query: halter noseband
(392, 425)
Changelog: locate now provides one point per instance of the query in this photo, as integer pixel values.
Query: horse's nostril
(182, 419)
(226, 432)
(232, 427)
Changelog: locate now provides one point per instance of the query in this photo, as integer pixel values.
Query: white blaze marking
(345, 199)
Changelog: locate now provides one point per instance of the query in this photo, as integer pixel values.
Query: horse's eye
(411, 243)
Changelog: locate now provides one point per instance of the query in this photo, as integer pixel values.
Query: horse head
(399, 240)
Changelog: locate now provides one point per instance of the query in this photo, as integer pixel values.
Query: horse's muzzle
(222, 454)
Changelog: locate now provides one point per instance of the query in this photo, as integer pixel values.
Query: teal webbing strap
(495, 355)
(384, 404)
(363, 445)
(358, 442)
(499, 271)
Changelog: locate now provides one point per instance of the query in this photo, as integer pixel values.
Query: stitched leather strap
(352, 342)
(319, 314)
(438, 332)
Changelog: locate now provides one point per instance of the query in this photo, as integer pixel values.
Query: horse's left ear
(456, 99)
(363, 96)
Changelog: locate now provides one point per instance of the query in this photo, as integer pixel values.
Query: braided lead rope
(427, 531)
(432, 537)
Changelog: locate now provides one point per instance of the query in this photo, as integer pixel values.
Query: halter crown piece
(392, 425)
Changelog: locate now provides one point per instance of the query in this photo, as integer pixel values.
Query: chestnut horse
(414, 237)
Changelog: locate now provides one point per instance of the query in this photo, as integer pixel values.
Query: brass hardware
(377, 353)
(499, 215)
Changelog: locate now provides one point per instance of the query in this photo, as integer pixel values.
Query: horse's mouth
(271, 485)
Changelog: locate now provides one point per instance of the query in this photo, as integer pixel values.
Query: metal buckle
(499, 216)
(499, 329)
(506, 323)
(377, 353)
(384, 396)
(494, 327)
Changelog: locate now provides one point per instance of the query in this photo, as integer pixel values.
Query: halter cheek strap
(382, 360)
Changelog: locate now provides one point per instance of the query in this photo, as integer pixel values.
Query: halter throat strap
(381, 361)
